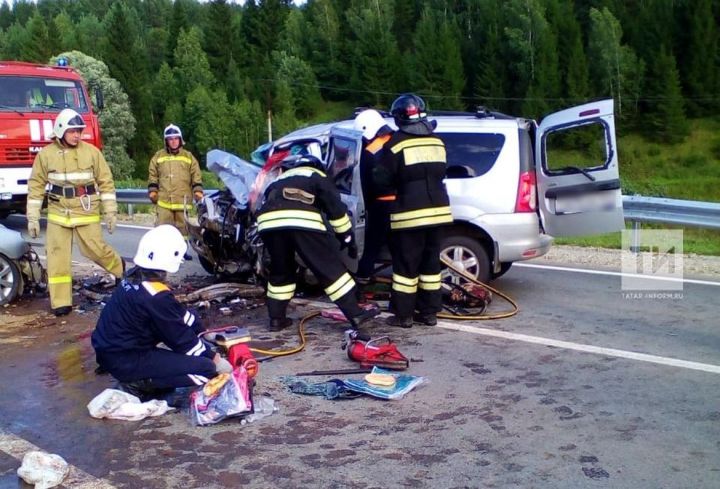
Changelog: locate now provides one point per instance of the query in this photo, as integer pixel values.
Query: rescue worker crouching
(142, 313)
(80, 182)
(378, 197)
(174, 180)
(292, 220)
(415, 164)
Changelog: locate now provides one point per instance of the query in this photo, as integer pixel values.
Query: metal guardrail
(689, 213)
(637, 209)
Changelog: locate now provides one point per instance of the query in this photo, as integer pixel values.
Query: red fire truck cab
(31, 96)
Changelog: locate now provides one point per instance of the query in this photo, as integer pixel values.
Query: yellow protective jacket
(174, 177)
(74, 171)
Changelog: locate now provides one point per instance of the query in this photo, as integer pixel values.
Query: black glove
(347, 240)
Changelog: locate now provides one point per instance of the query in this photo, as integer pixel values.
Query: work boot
(365, 316)
(178, 398)
(62, 311)
(426, 319)
(142, 389)
(401, 322)
(278, 324)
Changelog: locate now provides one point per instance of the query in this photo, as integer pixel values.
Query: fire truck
(31, 96)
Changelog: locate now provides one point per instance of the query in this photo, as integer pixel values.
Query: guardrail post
(635, 248)
(131, 210)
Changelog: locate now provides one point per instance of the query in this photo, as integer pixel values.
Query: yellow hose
(301, 333)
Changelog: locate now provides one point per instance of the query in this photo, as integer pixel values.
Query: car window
(471, 155)
(341, 162)
(583, 147)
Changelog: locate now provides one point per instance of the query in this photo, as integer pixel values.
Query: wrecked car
(20, 268)
(513, 184)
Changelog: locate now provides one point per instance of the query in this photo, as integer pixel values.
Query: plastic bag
(45, 470)
(116, 404)
(224, 396)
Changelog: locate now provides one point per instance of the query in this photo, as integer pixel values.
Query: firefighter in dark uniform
(415, 162)
(292, 220)
(378, 198)
(143, 312)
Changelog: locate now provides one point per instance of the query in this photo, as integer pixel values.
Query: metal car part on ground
(20, 267)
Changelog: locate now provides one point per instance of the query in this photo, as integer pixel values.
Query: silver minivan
(513, 183)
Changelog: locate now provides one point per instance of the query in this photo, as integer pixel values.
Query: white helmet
(67, 119)
(369, 123)
(161, 248)
(173, 131)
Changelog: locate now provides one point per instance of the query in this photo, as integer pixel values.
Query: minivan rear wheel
(467, 254)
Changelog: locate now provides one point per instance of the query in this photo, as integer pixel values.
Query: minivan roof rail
(481, 112)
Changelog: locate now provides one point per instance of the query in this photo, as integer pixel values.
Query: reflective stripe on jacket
(175, 177)
(301, 198)
(71, 167)
(416, 166)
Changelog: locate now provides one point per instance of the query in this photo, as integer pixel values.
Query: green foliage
(37, 46)
(436, 64)
(375, 70)
(664, 118)
(298, 77)
(192, 68)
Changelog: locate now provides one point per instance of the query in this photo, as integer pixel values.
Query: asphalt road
(556, 396)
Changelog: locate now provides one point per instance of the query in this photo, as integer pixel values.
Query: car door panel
(583, 199)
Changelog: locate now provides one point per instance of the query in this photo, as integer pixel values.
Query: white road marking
(568, 345)
(132, 226)
(17, 447)
(617, 274)
(538, 340)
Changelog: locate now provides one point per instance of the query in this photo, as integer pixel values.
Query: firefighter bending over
(415, 163)
(143, 312)
(174, 180)
(291, 220)
(80, 182)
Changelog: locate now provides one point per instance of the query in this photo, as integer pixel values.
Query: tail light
(527, 193)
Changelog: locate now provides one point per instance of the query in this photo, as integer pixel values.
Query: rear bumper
(517, 235)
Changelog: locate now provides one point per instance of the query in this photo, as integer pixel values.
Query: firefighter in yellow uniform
(174, 180)
(80, 182)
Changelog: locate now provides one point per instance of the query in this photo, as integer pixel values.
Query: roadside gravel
(694, 266)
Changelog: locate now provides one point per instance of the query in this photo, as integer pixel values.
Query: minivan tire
(471, 253)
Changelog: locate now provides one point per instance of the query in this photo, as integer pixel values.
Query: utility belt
(73, 191)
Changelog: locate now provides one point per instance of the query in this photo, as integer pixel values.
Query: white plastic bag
(43, 469)
(115, 404)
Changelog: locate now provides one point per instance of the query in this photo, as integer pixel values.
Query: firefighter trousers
(416, 271)
(59, 257)
(172, 217)
(377, 232)
(319, 252)
(163, 368)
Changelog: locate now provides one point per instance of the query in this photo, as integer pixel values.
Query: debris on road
(223, 292)
(44, 470)
(116, 404)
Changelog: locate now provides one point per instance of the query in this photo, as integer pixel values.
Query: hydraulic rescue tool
(233, 340)
(380, 352)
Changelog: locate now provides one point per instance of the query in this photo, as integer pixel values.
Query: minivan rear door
(576, 162)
